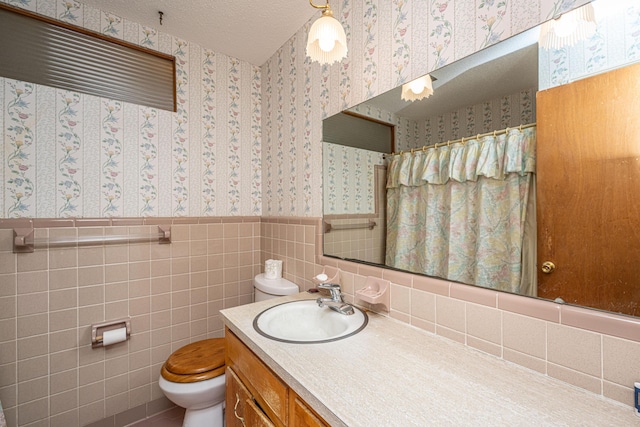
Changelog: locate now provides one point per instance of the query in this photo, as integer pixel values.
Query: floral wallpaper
(20, 125)
(68, 154)
(390, 42)
(508, 111)
(616, 42)
(348, 189)
(245, 139)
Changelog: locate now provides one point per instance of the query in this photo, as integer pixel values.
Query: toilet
(265, 289)
(193, 378)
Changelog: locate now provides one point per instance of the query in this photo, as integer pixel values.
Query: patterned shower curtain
(3, 421)
(459, 212)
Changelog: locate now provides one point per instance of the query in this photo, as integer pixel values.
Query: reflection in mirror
(355, 211)
(481, 108)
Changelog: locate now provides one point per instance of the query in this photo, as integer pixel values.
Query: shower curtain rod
(459, 141)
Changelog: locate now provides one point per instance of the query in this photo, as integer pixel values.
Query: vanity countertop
(392, 374)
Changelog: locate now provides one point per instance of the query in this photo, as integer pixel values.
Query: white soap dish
(328, 275)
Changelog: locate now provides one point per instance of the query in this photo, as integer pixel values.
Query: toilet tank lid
(279, 286)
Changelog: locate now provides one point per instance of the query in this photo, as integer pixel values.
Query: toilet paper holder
(98, 330)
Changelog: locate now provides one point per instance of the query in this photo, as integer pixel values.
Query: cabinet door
(266, 388)
(236, 396)
(300, 415)
(254, 417)
(241, 410)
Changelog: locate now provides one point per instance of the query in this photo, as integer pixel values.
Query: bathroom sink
(306, 322)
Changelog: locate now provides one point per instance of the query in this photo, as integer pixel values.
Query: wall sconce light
(420, 88)
(327, 42)
(569, 28)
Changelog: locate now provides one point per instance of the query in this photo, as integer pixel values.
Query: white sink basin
(305, 322)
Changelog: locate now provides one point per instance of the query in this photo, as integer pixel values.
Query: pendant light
(327, 42)
(568, 29)
(420, 88)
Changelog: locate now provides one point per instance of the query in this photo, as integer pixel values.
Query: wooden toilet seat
(198, 361)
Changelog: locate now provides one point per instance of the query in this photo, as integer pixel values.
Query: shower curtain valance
(490, 156)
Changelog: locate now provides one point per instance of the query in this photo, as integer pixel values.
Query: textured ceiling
(245, 29)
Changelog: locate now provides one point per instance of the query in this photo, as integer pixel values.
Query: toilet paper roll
(114, 336)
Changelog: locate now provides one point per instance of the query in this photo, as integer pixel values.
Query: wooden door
(588, 191)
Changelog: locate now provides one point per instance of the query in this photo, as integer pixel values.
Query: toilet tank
(271, 288)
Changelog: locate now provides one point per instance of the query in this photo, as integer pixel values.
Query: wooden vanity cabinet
(257, 395)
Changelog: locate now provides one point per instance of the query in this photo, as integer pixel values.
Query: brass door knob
(548, 267)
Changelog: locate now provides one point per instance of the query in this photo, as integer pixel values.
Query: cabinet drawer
(267, 389)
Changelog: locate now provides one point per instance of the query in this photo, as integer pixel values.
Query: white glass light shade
(420, 88)
(327, 42)
(569, 29)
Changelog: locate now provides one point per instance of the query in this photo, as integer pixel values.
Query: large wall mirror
(498, 112)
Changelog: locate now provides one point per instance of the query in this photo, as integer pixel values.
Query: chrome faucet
(335, 302)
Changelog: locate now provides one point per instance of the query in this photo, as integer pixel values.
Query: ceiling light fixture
(569, 28)
(327, 42)
(420, 88)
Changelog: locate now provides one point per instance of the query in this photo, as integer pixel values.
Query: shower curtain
(3, 421)
(464, 212)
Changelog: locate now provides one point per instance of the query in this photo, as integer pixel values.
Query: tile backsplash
(593, 350)
(49, 374)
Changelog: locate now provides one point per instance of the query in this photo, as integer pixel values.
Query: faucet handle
(334, 290)
(328, 286)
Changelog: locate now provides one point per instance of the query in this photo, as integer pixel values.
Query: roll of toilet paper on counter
(114, 336)
(273, 269)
